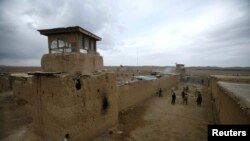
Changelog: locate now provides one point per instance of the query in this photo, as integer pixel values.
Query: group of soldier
(184, 94)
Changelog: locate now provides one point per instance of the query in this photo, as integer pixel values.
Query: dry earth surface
(157, 119)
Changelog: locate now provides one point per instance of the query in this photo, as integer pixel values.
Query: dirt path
(157, 119)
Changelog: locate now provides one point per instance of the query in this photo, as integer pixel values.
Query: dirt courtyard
(154, 119)
(157, 119)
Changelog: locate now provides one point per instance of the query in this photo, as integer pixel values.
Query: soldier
(185, 99)
(173, 98)
(199, 99)
(160, 91)
(183, 94)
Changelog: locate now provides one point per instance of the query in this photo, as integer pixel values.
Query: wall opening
(78, 84)
(66, 137)
(105, 103)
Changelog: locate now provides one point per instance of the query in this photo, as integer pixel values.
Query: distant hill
(15, 69)
(221, 68)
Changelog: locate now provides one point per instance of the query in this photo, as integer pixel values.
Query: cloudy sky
(136, 32)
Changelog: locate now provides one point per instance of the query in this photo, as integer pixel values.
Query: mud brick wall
(216, 93)
(214, 86)
(5, 83)
(60, 106)
(229, 111)
(72, 63)
(134, 93)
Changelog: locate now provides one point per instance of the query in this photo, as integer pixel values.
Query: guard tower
(72, 50)
(180, 68)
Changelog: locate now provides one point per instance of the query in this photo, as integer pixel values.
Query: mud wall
(203, 80)
(59, 107)
(72, 63)
(229, 112)
(127, 73)
(214, 86)
(134, 93)
(5, 83)
(216, 96)
(82, 106)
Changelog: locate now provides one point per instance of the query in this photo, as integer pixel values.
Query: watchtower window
(60, 46)
(73, 47)
(82, 45)
(86, 43)
(92, 45)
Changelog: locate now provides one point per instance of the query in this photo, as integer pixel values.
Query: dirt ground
(157, 119)
(154, 119)
(15, 123)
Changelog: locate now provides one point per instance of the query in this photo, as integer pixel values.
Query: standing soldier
(185, 99)
(183, 95)
(173, 98)
(199, 99)
(160, 91)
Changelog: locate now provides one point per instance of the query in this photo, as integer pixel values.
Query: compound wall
(229, 111)
(217, 95)
(82, 106)
(60, 106)
(5, 83)
(134, 93)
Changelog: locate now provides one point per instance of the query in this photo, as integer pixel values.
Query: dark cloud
(19, 21)
(225, 44)
(126, 28)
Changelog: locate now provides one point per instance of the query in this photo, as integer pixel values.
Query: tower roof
(52, 31)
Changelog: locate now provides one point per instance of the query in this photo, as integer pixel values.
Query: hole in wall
(78, 84)
(105, 103)
(98, 90)
(66, 136)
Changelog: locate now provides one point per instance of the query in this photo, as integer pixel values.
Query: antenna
(137, 56)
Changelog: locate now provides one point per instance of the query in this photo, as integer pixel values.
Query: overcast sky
(136, 32)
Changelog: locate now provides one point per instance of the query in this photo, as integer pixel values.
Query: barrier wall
(203, 80)
(229, 110)
(5, 83)
(217, 96)
(134, 93)
(59, 105)
(214, 85)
